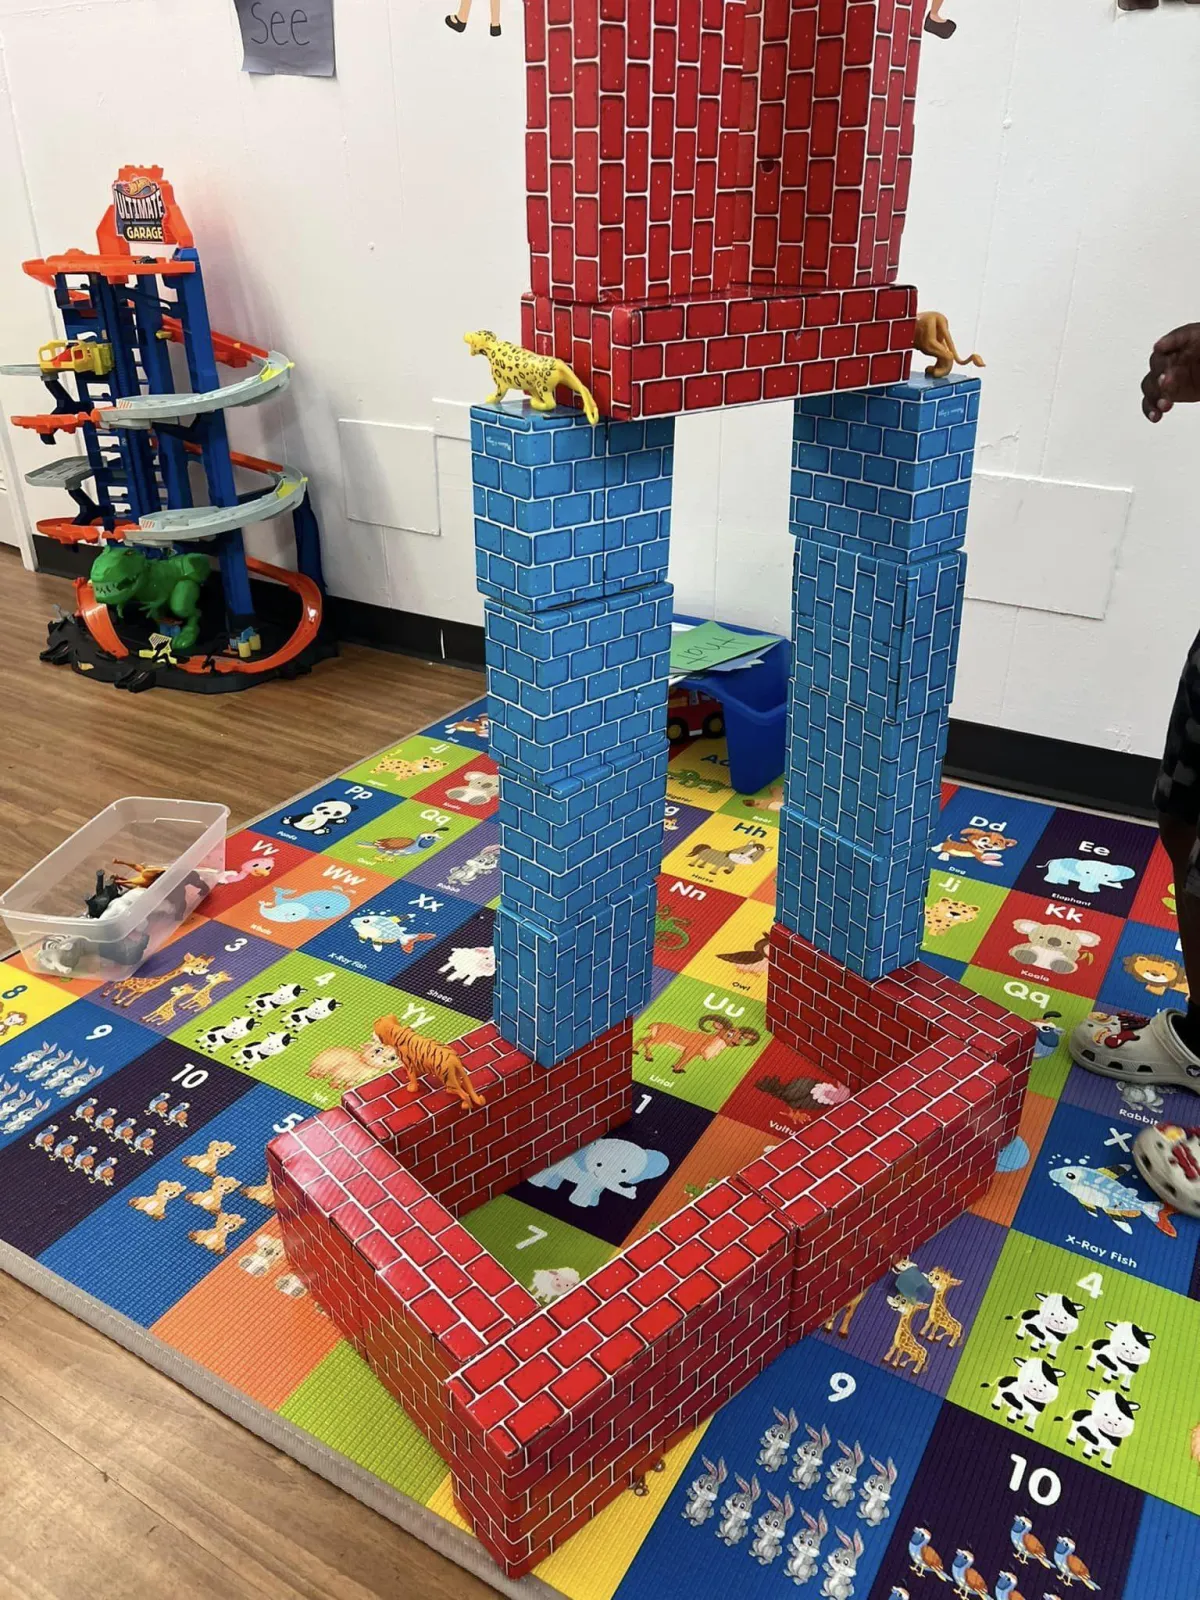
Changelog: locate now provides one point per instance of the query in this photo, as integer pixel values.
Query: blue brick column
(880, 482)
(572, 524)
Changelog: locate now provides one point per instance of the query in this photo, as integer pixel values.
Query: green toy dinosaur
(122, 576)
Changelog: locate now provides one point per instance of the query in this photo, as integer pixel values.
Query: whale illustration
(314, 905)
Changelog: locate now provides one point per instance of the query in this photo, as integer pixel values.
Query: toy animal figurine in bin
(117, 889)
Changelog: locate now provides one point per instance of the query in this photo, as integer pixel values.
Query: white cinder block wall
(362, 224)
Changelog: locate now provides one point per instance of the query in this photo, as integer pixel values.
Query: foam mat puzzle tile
(244, 1323)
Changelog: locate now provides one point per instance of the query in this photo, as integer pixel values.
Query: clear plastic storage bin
(45, 910)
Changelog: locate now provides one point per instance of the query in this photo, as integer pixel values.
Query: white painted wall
(362, 224)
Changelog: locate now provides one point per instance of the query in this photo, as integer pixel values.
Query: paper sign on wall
(293, 37)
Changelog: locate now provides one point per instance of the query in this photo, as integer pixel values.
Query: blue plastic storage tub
(754, 702)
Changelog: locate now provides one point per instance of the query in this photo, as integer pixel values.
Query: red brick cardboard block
(643, 359)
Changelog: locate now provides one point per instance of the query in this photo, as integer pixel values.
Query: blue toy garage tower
(703, 238)
(143, 437)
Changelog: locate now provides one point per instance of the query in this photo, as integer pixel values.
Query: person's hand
(1174, 375)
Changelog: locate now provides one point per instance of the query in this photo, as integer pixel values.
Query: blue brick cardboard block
(564, 855)
(556, 990)
(882, 633)
(863, 909)
(567, 512)
(887, 469)
(579, 686)
(866, 782)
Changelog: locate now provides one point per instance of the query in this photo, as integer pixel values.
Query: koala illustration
(1052, 948)
(477, 789)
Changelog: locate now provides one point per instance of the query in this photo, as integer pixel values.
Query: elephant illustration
(1091, 876)
(612, 1164)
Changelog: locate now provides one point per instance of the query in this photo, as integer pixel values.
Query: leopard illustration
(514, 367)
(945, 914)
(408, 769)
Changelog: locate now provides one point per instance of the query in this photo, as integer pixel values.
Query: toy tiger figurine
(416, 1053)
(514, 367)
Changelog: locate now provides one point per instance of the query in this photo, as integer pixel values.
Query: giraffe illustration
(904, 1348)
(848, 1311)
(939, 1322)
(200, 999)
(166, 1011)
(126, 990)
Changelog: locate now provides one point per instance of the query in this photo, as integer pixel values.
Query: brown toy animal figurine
(416, 1054)
(933, 338)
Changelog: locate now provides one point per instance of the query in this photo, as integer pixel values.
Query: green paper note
(709, 644)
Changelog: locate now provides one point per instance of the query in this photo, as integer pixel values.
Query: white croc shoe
(1168, 1157)
(1135, 1049)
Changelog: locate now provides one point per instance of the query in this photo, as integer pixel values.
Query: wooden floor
(113, 1480)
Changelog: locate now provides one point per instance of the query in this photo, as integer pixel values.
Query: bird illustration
(969, 1583)
(924, 1557)
(749, 961)
(1026, 1543)
(1068, 1563)
(899, 1592)
(1006, 1587)
(804, 1097)
(406, 846)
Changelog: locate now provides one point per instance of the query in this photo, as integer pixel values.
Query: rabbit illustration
(843, 1475)
(876, 1492)
(735, 1513)
(809, 1456)
(841, 1565)
(777, 1441)
(702, 1496)
(771, 1527)
(806, 1547)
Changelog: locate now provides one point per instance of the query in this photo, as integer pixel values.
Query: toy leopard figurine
(514, 367)
(170, 587)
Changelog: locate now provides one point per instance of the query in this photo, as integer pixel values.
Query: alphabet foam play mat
(1033, 1430)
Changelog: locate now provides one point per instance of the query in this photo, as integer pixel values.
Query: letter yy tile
(989, 836)
(410, 766)
(1090, 861)
(1047, 941)
(697, 1042)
